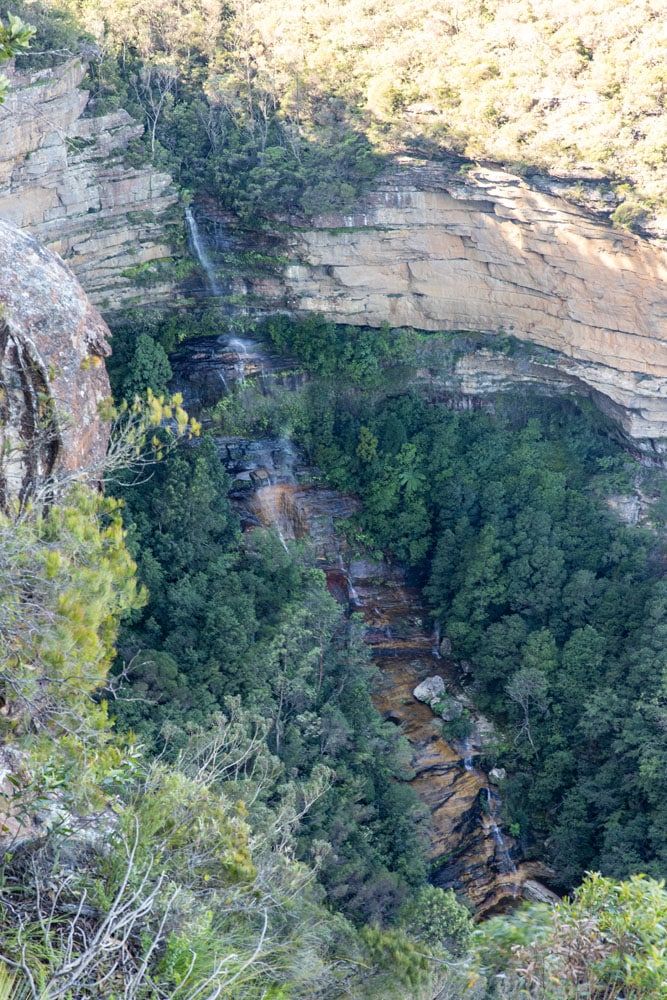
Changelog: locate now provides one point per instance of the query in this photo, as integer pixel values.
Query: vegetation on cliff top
(282, 106)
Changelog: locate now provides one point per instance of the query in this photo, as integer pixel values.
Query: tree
(148, 368)
(368, 445)
(15, 37)
(607, 941)
(479, 588)
(540, 653)
(436, 917)
(528, 689)
(65, 580)
(154, 86)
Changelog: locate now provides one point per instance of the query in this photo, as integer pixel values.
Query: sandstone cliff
(52, 378)
(63, 178)
(438, 249)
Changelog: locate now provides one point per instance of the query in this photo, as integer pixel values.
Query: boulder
(430, 690)
(497, 774)
(453, 710)
(535, 892)
(445, 647)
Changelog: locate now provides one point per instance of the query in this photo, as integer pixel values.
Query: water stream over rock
(199, 250)
(270, 486)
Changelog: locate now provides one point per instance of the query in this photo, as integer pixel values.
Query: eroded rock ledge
(438, 249)
(52, 378)
(63, 178)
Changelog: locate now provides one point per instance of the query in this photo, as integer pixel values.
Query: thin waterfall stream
(270, 486)
(199, 249)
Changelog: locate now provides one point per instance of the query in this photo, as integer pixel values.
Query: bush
(607, 941)
(436, 917)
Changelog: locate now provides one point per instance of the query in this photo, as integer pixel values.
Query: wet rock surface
(205, 367)
(468, 850)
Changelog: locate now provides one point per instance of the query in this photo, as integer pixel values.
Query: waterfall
(272, 500)
(436, 641)
(240, 348)
(507, 866)
(467, 754)
(270, 508)
(276, 503)
(199, 249)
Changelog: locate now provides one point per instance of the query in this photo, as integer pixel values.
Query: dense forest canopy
(553, 603)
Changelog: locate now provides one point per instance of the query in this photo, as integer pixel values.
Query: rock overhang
(437, 249)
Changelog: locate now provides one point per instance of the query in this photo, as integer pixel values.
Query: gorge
(351, 684)
(270, 484)
(418, 214)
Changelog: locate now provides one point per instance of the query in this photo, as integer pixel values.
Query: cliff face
(52, 378)
(63, 178)
(440, 250)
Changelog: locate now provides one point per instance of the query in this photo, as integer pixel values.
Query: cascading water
(241, 348)
(466, 750)
(273, 502)
(436, 641)
(248, 354)
(199, 249)
(506, 863)
(270, 499)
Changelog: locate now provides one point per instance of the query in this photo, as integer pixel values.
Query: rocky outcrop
(52, 376)
(64, 179)
(438, 249)
(430, 690)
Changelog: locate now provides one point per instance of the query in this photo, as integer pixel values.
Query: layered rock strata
(438, 249)
(52, 375)
(63, 177)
